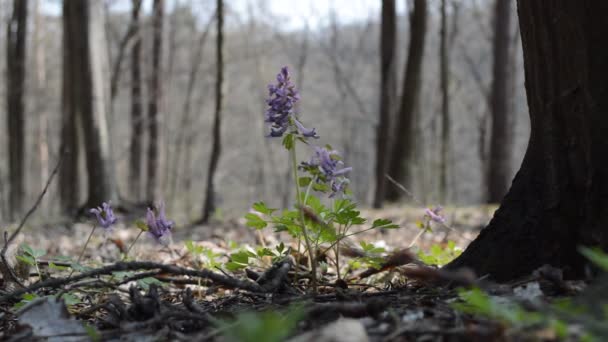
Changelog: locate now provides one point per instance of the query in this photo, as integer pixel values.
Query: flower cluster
(105, 215)
(158, 225)
(281, 101)
(327, 167)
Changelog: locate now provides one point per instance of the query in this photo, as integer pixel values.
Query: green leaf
(145, 283)
(254, 221)
(596, 256)
(25, 299)
(384, 223)
(262, 208)
(304, 181)
(289, 141)
(52, 265)
(320, 187)
(26, 259)
(193, 248)
(27, 249)
(141, 225)
(79, 268)
(233, 266)
(70, 299)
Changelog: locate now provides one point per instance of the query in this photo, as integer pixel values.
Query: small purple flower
(328, 168)
(308, 133)
(434, 214)
(158, 225)
(105, 215)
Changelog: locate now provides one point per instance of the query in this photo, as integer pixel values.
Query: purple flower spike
(105, 215)
(158, 225)
(434, 214)
(281, 101)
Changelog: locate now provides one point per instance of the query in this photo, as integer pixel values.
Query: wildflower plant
(312, 220)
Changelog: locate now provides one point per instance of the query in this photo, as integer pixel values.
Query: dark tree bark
(558, 200)
(137, 125)
(388, 36)
(85, 96)
(500, 138)
(444, 81)
(402, 146)
(154, 100)
(131, 33)
(15, 88)
(69, 180)
(216, 148)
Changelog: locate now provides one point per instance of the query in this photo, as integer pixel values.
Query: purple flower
(308, 133)
(158, 225)
(326, 165)
(434, 214)
(105, 215)
(281, 101)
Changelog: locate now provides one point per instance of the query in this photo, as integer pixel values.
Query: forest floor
(168, 292)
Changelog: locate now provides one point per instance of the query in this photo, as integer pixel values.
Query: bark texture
(15, 88)
(558, 200)
(155, 93)
(210, 200)
(137, 124)
(86, 94)
(500, 138)
(403, 138)
(388, 36)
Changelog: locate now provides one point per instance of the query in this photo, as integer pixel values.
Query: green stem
(84, 248)
(131, 246)
(311, 253)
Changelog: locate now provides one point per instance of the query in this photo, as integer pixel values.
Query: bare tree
(500, 141)
(86, 92)
(15, 88)
(154, 100)
(137, 129)
(402, 146)
(388, 34)
(444, 70)
(216, 148)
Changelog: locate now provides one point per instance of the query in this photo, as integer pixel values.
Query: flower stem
(131, 246)
(84, 248)
(311, 253)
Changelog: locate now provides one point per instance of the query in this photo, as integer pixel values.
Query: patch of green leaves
(440, 255)
(269, 326)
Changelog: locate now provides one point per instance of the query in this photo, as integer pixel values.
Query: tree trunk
(87, 93)
(155, 93)
(500, 138)
(402, 147)
(137, 125)
(209, 205)
(69, 180)
(41, 99)
(557, 201)
(15, 89)
(444, 81)
(388, 36)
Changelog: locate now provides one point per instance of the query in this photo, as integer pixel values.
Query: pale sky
(295, 12)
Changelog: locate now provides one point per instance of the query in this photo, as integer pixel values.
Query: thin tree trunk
(500, 139)
(15, 88)
(184, 128)
(444, 80)
(209, 205)
(69, 180)
(402, 146)
(557, 201)
(154, 140)
(137, 129)
(41, 97)
(388, 37)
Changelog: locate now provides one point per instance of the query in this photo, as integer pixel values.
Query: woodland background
(335, 62)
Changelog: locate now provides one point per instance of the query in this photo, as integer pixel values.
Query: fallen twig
(139, 265)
